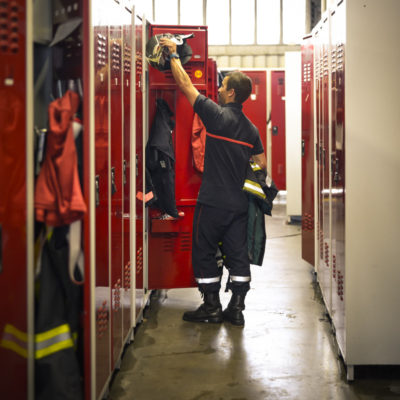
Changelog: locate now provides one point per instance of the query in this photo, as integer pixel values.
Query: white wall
(293, 132)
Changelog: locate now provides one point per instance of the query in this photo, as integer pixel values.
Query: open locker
(170, 241)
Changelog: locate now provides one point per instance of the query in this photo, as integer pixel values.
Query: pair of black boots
(211, 310)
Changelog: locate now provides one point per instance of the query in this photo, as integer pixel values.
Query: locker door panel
(338, 174)
(325, 188)
(115, 48)
(278, 146)
(307, 152)
(102, 284)
(13, 222)
(138, 269)
(127, 169)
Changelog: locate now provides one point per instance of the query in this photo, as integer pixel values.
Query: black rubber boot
(209, 311)
(233, 313)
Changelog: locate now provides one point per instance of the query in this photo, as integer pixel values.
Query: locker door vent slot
(9, 27)
(185, 241)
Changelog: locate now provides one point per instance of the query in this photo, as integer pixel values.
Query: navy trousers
(212, 226)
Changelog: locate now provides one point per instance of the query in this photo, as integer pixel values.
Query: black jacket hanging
(261, 191)
(58, 308)
(160, 159)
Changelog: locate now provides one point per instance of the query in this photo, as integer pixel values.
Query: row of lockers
(97, 50)
(349, 174)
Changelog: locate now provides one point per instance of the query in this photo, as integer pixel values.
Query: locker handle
(124, 174)
(97, 190)
(113, 185)
(137, 165)
(303, 147)
(275, 130)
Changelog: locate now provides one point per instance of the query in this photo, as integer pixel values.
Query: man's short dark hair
(242, 85)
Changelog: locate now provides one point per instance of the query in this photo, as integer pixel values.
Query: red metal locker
(338, 21)
(116, 144)
(13, 202)
(139, 245)
(102, 228)
(323, 137)
(128, 167)
(170, 241)
(278, 145)
(307, 164)
(255, 107)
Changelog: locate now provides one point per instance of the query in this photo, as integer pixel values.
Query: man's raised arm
(181, 77)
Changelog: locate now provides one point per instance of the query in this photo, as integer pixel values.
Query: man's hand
(169, 44)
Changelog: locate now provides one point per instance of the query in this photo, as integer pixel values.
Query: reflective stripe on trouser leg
(202, 281)
(240, 278)
(238, 284)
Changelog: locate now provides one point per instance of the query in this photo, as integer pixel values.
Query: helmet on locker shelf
(158, 56)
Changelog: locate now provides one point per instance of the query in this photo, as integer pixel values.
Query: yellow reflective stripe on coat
(254, 188)
(255, 166)
(15, 340)
(46, 343)
(53, 340)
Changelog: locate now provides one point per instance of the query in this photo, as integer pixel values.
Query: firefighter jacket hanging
(261, 191)
(58, 303)
(58, 194)
(160, 159)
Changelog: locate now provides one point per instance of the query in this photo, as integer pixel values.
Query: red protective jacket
(198, 143)
(58, 195)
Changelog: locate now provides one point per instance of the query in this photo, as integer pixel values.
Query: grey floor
(285, 351)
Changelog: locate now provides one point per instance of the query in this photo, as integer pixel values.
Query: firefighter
(221, 208)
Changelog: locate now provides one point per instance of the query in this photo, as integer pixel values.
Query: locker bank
(96, 269)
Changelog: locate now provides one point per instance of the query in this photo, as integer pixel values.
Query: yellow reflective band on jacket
(53, 340)
(254, 187)
(46, 343)
(15, 340)
(255, 166)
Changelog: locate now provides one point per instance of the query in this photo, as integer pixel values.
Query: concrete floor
(285, 351)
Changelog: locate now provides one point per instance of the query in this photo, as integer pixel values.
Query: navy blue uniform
(221, 210)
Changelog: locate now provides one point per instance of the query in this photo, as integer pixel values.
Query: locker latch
(137, 165)
(303, 147)
(275, 130)
(113, 185)
(97, 190)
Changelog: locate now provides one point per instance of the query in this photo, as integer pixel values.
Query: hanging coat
(160, 159)
(58, 373)
(261, 191)
(199, 133)
(58, 194)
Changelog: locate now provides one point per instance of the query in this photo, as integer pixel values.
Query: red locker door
(278, 149)
(102, 165)
(128, 167)
(115, 48)
(307, 162)
(13, 216)
(255, 107)
(139, 189)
